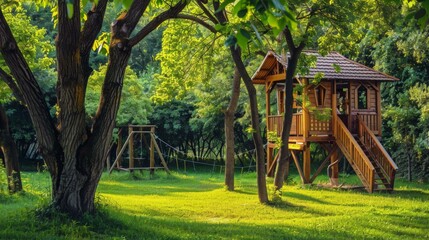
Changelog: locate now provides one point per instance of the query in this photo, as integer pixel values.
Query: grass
(196, 206)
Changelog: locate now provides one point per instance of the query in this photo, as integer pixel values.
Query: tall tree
(72, 149)
(295, 24)
(37, 49)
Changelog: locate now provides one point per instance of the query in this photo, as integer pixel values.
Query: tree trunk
(229, 131)
(292, 64)
(256, 134)
(287, 122)
(10, 153)
(73, 151)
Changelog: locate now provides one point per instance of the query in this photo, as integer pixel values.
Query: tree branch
(12, 85)
(197, 20)
(289, 39)
(132, 17)
(152, 25)
(207, 12)
(91, 28)
(32, 94)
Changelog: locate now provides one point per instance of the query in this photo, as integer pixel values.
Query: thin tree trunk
(292, 64)
(10, 152)
(229, 131)
(256, 134)
(257, 139)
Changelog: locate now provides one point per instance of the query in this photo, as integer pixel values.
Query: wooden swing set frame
(129, 142)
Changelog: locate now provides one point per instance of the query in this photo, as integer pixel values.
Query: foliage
(37, 48)
(135, 105)
(401, 52)
(3, 179)
(187, 58)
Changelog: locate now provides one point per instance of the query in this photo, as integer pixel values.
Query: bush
(3, 180)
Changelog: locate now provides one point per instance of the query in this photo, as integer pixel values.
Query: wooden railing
(385, 162)
(371, 120)
(275, 124)
(354, 154)
(318, 126)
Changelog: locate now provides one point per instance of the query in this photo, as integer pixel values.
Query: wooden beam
(319, 170)
(120, 152)
(306, 163)
(131, 149)
(295, 146)
(118, 148)
(276, 77)
(334, 168)
(298, 167)
(379, 120)
(269, 86)
(376, 88)
(152, 152)
(160, 153)
(258, 81)
(305, 113)
(349, 119)
(270, 172)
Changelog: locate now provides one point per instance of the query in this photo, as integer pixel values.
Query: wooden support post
(305, 112)
(160, 154)
(349, 120)
(334, 169)
(270, 161)
(319, 170)
(306, 163)
(270, 171)
(118, 149)
(131, 149)
(118, 156)
(267, 114)
(298, 167)
(334, 112)
(152, 152)
(378, 99)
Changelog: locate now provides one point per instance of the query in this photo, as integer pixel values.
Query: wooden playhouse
(350, 93)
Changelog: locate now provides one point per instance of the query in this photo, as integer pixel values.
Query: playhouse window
(320, 93)
(362, 97)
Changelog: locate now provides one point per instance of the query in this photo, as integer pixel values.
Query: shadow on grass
(159, 185)
(156, 227)
(407, 194)
(305, 198)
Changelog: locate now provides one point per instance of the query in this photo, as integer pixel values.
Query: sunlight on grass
(196, 206)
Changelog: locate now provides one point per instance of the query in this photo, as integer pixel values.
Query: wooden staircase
(368, 158)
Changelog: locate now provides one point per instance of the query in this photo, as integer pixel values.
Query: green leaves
(337, 68)
(127, 4)
(122, 4)
(230, 41)
(101, 44)
(274, 14)
(70, 8)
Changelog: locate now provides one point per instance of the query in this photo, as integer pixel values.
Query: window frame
(357, 96)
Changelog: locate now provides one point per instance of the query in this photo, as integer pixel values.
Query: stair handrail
(356, 154)
(368, 138)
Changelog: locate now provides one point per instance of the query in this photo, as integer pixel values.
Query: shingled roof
(350, 70)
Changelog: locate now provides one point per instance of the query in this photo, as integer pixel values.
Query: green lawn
(196, 206)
